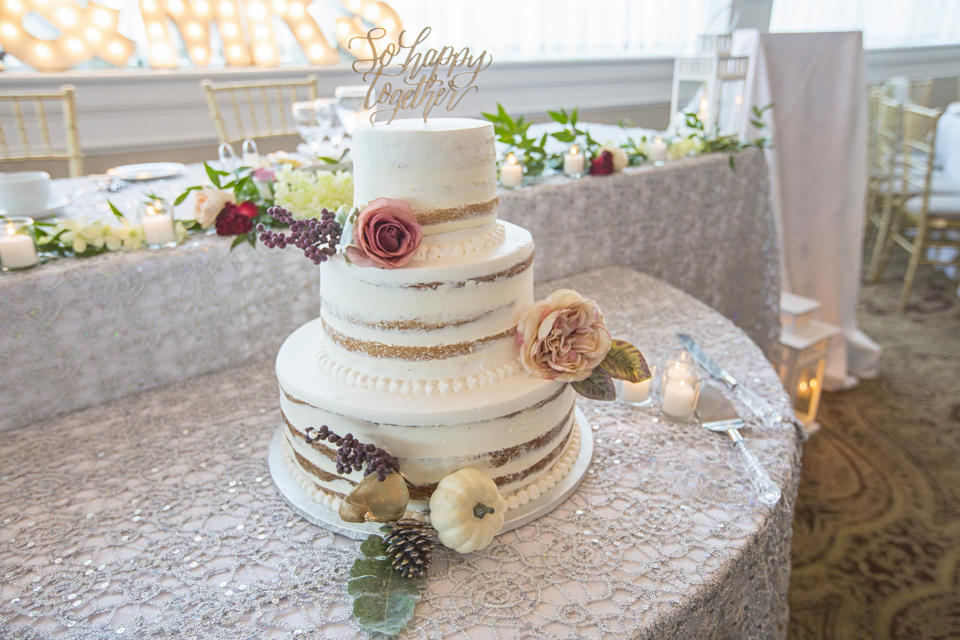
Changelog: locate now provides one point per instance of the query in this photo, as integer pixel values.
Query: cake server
(760, 407)
(717, 413)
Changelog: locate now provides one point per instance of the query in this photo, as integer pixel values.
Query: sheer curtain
(564, 29)
(885, 23)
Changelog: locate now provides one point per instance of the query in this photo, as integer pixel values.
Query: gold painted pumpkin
(376, 500)
(467, 510)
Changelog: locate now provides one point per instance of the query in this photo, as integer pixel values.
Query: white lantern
(804, 344)
(711, 84)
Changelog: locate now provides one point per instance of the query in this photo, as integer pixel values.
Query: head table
(155, 517)
(79, 332)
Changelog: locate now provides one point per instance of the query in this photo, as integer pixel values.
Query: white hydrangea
(305, 194)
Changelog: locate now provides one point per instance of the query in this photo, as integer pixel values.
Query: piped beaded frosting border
(558, 471)
(351, 376)
(478, 243)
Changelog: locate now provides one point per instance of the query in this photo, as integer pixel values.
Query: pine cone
(409, 545)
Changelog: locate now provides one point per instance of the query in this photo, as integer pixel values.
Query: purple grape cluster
(352, 454)
(317, 238)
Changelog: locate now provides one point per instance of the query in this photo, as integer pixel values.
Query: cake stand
(327, 518)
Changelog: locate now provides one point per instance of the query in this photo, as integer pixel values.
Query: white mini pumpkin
(467, 510)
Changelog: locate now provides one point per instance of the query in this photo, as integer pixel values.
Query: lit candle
(157, 225)
(681, 386)
(573, 162)
(511, 173)
(17, 250)
(703, 109)
(657, 151)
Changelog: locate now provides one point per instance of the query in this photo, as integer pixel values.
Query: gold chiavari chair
(921, 92)
(882, 194)
(25, 128)
(926, 220)
(256, 110)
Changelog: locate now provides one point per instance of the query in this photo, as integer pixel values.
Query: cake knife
(717, 413)
(757, 405)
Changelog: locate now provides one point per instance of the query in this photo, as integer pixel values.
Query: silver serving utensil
(717, 413)
(760, 407)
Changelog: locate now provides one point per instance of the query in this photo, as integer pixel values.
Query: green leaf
(327, 159)
(599, 386)
(730, 161)
(625, 362)
(238, 240)
(557, 116)
(116, 212)
(573, 117)
(373, 547)
(563, 136)
(383, 600)
(214, 175)
(183, 196)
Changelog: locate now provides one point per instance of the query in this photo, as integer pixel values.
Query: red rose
(236, 218)
(386, 235)
(602, 165)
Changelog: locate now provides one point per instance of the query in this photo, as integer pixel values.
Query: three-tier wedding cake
(423, 360)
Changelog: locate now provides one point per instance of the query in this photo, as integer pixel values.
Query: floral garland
(608, 158)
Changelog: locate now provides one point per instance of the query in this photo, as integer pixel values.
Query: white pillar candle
(511, 173)
(680, 390)
(657, 150)
(573, 162)
(157, 226)
(17, 250)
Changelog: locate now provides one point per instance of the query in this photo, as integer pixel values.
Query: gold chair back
(921, 92)
(919, 136)
(256, 109)
(28, 130)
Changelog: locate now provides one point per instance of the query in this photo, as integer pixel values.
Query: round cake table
(155, 517)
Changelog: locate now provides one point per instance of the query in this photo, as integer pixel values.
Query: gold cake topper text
(405, 77)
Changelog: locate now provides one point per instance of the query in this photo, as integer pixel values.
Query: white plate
(53, 207)
(147, 171)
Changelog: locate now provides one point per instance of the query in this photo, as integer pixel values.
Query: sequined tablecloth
(76, 333)
(155, 517)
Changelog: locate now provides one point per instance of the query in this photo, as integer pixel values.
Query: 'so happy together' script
(403, 78)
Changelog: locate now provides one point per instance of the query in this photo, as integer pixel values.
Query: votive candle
(511, 172)
(157, 225)
(573, 162)
(681, 388)
(657, 151)
(17, 250)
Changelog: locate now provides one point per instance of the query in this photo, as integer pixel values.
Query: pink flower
(264, 175)
(563, 337)
(386, 235)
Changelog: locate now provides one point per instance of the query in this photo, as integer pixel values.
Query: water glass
(313, 119)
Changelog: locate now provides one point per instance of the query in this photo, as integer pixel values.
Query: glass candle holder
(18, 247)
(680, 390)
(573, 162)
(227, 157)
(511, 172)
(156, 217)
(637, 394)
(250, 156)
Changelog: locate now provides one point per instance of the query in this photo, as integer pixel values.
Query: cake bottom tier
(516, 430)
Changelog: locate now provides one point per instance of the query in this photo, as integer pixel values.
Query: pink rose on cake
(386, 234)
(563, 337)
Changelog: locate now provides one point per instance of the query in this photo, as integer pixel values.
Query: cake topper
(404, 76)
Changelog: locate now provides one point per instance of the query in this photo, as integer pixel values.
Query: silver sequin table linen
(155, 517)
(77, 333)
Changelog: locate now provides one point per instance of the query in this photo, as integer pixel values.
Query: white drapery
(818, 173)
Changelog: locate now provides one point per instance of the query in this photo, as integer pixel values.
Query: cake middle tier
(437, 325)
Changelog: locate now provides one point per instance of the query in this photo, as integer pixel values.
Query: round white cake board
(327, 518)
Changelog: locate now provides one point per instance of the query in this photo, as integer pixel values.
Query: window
(885, 23)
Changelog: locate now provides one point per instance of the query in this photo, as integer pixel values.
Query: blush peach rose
(208, 204)
(386, 234)
(563, 337)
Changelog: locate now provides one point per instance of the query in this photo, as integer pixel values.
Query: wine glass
(350, 108)
(312, 119)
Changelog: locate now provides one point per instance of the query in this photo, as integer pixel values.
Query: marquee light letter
(378, 13)
(86, 31)
(192, 20)
(306, 31)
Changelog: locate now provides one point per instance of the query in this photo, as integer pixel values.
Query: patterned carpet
(876, 547)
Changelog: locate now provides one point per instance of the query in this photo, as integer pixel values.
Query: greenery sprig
(713, 143)
(383, 600)
(514, 132)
